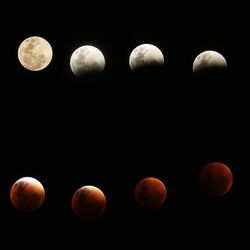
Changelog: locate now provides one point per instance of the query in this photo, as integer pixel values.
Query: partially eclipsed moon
(209, 60)
(87, 59)
(27, 194)
(88, 203)
(35, 53)
(145, 55)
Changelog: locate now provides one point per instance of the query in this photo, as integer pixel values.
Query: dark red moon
(216, 179)
(88, 203)
(150, 193)
(27, 194)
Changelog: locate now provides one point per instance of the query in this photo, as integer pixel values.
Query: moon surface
(150, 193)
(27, 194)
(35, 53)
(216, 179)
(146, 55)
(88, 203)
(87, 59)
(209, 60)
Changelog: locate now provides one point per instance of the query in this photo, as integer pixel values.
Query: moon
(145, 55)
(87, 59)
(88, 203)
(209, 60)
(27, 194)
(35, 53)
(216, 179)
(150, 193)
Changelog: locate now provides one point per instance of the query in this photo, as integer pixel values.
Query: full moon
(145, 55)
(27, 194)
(88, 203)
(209, 60)
(150, 193)
(35, 53)
(87, 59)
(216, 179)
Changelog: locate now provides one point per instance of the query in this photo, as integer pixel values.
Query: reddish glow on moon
(88, 203)
(216, 179)
(150, 193)
(27, 194)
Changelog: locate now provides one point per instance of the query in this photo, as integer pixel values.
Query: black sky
(113, 130)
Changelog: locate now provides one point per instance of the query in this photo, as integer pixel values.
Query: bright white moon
(145, 55)
(207, 60)
(35, 53)
(87, 59)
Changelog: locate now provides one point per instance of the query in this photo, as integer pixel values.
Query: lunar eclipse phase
(35, 53)
(87, 60)
(146, 56)
(216, 179)
(88, 203)
(27, 194)
(209, 61)
(150, 193)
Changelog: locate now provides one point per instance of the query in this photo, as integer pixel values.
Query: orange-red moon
(216, 179)
(150, 193)
(88, 203)
(27, 194)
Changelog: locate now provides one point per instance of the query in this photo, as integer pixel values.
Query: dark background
(115, 129)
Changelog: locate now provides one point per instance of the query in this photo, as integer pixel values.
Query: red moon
(88, 203)
(150, 193)
(27, 194)
(216, 179)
